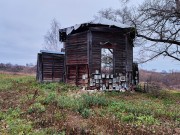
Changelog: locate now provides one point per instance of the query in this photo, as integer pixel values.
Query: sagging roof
(97, 21)
(94, 23)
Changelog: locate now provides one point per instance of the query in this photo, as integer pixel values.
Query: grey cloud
(23, 23)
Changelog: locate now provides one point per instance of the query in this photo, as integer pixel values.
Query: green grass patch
(60, 87)
(52, 102)
(36, 108)
(12, 123)
(50, 98)
(94, 100)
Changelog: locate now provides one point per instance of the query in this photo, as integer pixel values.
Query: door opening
(107, 63)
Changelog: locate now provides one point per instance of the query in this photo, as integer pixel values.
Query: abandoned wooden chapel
(98, 55)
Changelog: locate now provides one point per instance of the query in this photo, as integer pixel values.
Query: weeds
(13, 124)
(6, 84)
(94, 100)
(85, 113)
(48, 86)
(60, 87)
(1, 116)
(50, 106)
(65, 102)
(146, 119)
(128, 112)
(128, 118)
(51, 98)
(60, 116)
(36, 108)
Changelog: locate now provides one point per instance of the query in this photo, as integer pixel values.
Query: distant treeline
(29, 68)
(169, 80)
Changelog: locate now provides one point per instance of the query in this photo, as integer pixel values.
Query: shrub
(85, 113)
(48, 131)
(94, 100)
(153, 89)
(128, 112)
(66, 87)
(48, 86)
(13, 113)
(65, 102)
(101, 112)
(19, 126)
(139, 88)
(146, 120)
(128, 118)
(60, 116)
(36, 108)
(1, 116)
(138, 110)
(15, 124)
(50, 98)
(55, 86)
(6, 84)
(41, 99)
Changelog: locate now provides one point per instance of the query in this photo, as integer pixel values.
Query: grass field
(27, 107)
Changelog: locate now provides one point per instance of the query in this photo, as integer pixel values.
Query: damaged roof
(96, 21)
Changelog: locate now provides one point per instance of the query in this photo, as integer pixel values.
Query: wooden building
(99, 54)
(50, 66)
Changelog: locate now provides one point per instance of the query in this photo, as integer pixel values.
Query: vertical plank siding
(82, 59)
(76, 55)
(119, 50)
(76, 49)
(50, 67)
(39, 67)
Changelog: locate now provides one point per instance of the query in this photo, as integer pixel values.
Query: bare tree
(158, 22)
(108, 13)
(157, 25)
(124, 1)
(178, 5)
(51, 39)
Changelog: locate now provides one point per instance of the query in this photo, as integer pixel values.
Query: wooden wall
(50, 67)
(83, 52)
(118, 39)
(76, 51)
(129, 56)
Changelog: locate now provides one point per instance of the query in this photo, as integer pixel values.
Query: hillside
(167, 80)
(28, 69)
(27, 107)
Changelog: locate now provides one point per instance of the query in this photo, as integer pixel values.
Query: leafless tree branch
(51, 39)
(157, 24)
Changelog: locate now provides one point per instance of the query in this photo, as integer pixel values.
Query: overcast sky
(23, 24)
